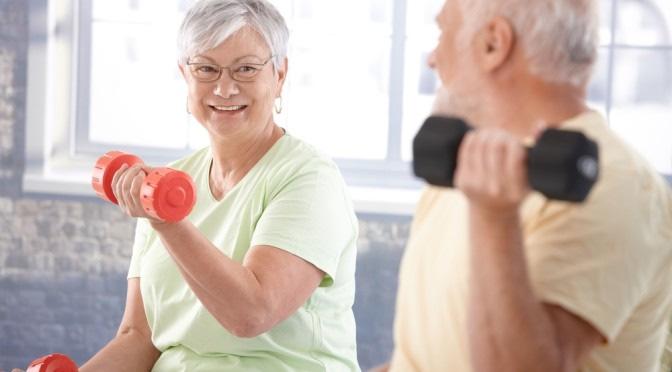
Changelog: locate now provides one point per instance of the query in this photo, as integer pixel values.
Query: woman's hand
(126, 185)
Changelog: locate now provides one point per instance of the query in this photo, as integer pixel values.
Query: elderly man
(499, 278)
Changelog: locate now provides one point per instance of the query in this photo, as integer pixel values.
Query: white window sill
(370, 200)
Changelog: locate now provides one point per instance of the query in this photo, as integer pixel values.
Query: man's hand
(491, 171)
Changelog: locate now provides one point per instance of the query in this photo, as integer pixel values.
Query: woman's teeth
(228, 108)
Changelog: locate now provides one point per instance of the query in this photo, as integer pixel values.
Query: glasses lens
(205, 72)
(245, 71)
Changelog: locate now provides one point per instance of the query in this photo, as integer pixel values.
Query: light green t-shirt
(293, 199)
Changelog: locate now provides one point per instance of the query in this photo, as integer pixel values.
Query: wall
(63, 261)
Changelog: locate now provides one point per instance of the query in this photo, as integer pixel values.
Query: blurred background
(81, 77)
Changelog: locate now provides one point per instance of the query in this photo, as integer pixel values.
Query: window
(638, 77)
(358, 85)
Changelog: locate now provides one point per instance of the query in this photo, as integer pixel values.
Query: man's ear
(495, 43)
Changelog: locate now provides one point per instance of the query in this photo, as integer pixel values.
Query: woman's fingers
(116, 185)
(127, 183)
(135, 187)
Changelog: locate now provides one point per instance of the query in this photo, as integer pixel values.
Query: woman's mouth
(228, 109)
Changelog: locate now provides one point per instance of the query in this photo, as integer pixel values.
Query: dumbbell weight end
(53, 363)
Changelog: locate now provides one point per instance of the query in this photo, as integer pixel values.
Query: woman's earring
(277, 105)
(188, 111)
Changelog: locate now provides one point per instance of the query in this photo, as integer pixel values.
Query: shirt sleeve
(310, 217)
(142, 231)
(591, 259)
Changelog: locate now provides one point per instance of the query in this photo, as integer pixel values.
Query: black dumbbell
(562, 165)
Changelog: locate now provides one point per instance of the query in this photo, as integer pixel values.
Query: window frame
(59, 153)
(391, 172)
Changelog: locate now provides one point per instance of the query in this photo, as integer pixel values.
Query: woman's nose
(225, 86)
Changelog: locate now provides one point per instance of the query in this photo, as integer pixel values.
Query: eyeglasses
(209, 72)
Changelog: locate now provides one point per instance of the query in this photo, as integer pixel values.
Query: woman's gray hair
(560, 37)
(208, 23)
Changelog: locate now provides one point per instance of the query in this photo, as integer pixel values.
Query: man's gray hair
(560, 37)
(208, 23)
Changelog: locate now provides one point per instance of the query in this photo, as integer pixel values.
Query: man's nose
(431, 60)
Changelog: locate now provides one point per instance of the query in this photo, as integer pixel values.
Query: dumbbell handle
(435, 150)
(53, 363)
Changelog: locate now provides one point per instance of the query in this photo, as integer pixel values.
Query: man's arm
(509, 328)
(132, 348)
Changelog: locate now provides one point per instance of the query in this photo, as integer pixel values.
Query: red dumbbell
(53, 363)
(166, 194)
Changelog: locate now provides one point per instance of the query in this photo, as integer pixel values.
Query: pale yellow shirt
(608, 260)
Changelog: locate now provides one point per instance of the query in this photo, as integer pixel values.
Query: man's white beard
(449, 103)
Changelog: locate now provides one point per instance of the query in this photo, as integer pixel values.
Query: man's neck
(524, 108)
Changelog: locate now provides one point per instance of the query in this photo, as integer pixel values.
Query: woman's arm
(131, 349)
(247, 299)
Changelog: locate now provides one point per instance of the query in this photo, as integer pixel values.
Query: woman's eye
(206, 69)
(246, 69)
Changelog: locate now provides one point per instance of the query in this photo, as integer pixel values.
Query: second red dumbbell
(166, 194)
(53, 363)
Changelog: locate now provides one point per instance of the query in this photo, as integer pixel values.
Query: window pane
(338, 83)
(337, 98)
(329, 15)
(137, 96)
(642, 103)
(420, 82)
(598, 89)
(644, 22)
(605, 21)
(124, 10)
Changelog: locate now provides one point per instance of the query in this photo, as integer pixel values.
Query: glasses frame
(259, 66)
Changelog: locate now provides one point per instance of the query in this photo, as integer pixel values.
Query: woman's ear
(181, 68)
(495, 44)
(282, 75)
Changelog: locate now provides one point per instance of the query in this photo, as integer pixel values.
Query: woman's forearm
(128, 351)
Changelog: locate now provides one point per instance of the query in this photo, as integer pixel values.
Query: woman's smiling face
(228, 106)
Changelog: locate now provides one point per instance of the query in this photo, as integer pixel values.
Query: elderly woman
(260, 276)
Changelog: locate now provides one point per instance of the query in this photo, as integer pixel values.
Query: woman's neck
(232, 160)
